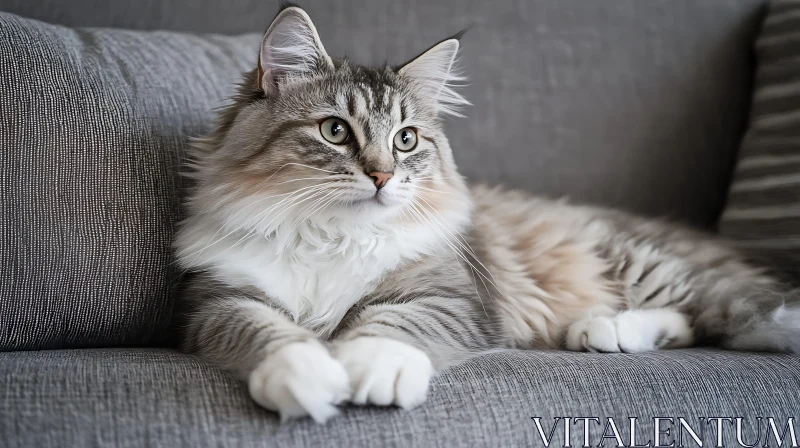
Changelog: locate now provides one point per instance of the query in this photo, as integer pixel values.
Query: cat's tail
(760, 317)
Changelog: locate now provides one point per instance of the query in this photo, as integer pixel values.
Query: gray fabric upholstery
(637, 104)
(629, 103)
(763, 211)
(93, 127)
(135, 397)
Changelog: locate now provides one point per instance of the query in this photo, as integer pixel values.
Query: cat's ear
(435, 73)
(291, 48)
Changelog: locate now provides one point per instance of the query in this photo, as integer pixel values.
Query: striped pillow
(763, 210)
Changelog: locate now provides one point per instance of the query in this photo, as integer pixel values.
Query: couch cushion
(93, 126)
(763, 210)
(637, 104)
(138, 397)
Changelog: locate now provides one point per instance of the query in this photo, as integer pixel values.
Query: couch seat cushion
(155, 397)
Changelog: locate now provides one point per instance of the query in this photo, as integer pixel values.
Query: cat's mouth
(379, 198)
(376, 199)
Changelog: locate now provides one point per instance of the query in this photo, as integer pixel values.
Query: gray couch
(638, 104)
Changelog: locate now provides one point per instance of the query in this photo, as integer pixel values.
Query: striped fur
(315, 287)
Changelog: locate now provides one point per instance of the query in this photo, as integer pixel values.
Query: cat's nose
(380, 178)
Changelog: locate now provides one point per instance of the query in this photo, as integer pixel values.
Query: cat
(337, 255)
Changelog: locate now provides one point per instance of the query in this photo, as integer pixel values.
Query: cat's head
(309, 137)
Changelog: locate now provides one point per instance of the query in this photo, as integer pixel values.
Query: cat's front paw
(597, 334)
(383, 371)
(300, 379)
(631, 331)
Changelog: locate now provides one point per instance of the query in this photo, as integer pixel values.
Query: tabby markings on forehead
(367, 93)
(351, 105)
(387, 95)
(362, 104)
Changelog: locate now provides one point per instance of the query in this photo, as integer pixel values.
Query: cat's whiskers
(327, 204)
(254, 203)
(286, 207)
(295, 198)
(310, 208)
(463, 241)
(468, 248)
(470, 251)
(457, 235)
(437, 225)
(196, 254)
(316, 190)
(457, 254)
(432, 190)
(473, 269)
(236, 215)
(299, 164)
(314, 193)
(248, 235)
(288, 181)
(436, 177)
(299, 179)
(475, 285)
(425, 217)
(313, 208)
(455, 257)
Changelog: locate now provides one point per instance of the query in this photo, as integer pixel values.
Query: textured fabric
(93, 125)
(637, 104)
(763, 211)
(134, 397)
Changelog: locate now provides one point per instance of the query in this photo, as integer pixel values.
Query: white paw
(598, 334)
(384, 371)
(631, 331)
(300, 379)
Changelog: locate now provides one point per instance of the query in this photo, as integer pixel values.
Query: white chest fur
(317, 271)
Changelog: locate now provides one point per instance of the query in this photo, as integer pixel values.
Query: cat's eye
(405, 139)
(335, 130)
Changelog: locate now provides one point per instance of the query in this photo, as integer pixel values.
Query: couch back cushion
(93, 127)
(763, 210)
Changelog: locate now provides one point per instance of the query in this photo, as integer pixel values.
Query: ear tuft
(437, 75)
(290, 48)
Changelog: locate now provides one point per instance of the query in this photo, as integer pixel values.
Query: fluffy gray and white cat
(339, 256)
